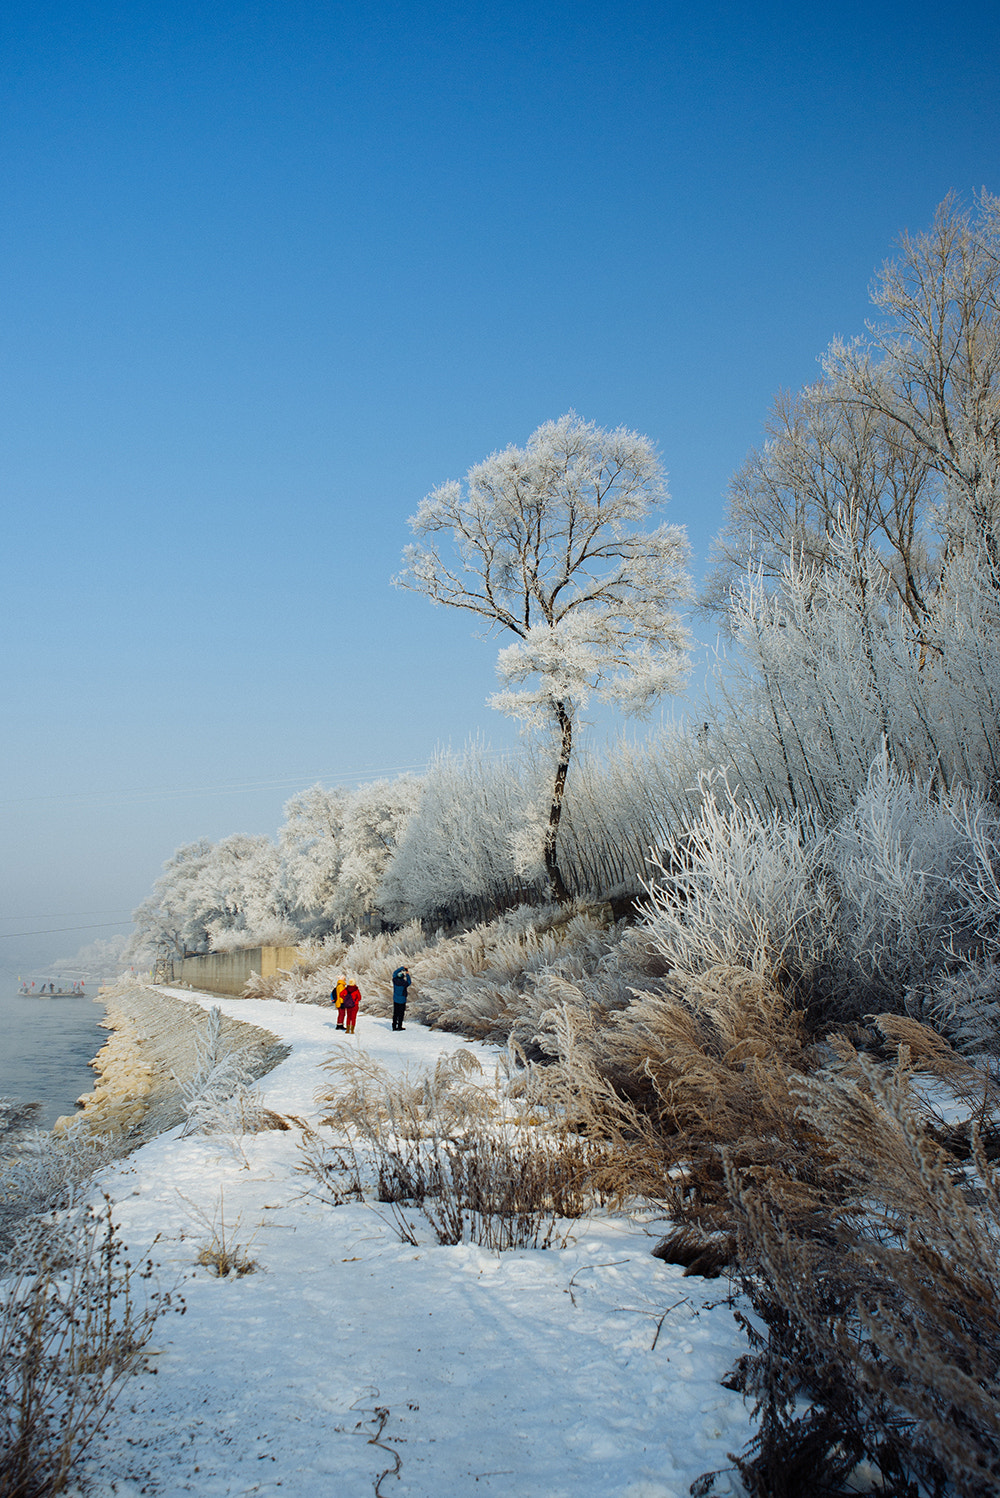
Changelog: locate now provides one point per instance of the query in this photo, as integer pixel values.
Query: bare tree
(827, 464)
(545, 543)
(931, 368)
(899, 443)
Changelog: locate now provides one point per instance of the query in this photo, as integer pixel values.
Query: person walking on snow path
(349, 1009)
(337, 1000)
(401, 981)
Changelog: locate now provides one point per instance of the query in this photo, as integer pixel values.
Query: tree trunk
(557, 886)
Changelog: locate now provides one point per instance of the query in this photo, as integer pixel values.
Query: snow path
(530, 1374)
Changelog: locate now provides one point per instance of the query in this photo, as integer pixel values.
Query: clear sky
(271, 271)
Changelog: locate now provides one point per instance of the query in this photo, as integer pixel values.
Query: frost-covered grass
(456, 1148)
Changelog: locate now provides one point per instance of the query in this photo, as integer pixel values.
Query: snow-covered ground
(349, 1355)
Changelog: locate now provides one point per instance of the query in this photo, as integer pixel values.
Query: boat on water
(49, 991)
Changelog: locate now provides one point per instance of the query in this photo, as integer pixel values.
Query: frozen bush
(41, 1171)
(964, 1005)
(744, 889)
(72, 1329)
(217, 1097)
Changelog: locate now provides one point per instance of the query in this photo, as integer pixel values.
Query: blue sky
(272, 271)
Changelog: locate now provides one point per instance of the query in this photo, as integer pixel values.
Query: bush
(446, 1144)
(40, 1172)
(882, 1304)
(72, 1329)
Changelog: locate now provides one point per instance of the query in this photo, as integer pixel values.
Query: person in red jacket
(349, 1008)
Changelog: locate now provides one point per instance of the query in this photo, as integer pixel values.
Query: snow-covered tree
(99, 961)
(827, 461)
(900, 439)
(311, 845)
(931, 366)
(171, 921)
(240, 882)
(215, 895)
(459, 852)
(546, 543)
(375, 818)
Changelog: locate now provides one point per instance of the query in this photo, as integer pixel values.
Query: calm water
(46, 1044)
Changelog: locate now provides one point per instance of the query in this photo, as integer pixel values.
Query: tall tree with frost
(931, 367)
(546, 543)
(900, 440)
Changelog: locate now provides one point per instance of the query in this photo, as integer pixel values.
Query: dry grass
(669, 1083)
(866, 1228)
(450, 1146)
(222, 1253)
(72, 1329)
(365, 1095)
(505, 1191)
(892, 1287)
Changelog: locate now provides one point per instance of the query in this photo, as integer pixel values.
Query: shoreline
(153, 1040)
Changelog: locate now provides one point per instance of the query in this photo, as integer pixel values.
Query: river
(46, 1046)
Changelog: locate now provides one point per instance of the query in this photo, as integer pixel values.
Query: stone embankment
(153, 1042)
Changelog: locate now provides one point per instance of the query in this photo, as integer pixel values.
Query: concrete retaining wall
(227, 972)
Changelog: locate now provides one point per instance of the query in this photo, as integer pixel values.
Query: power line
(228, 788)
(62, 915)
(169, 793)
(58, 930)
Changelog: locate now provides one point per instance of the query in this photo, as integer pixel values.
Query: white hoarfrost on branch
(548, 543)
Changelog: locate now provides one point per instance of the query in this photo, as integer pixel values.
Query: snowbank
(351, 1363)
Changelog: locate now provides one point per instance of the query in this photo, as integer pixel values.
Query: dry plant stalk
(71, 1331)
(974, 1085)
(894, 1282)
(448, 1145)
(222, 1254)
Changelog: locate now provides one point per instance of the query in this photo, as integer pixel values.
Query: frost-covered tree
(171, 921)
(375, 818)
(827, 462)
(311, 845)
(547, 543)
(214, 895)
(900, 439)
(240, 882)
(930, 367)
(459, 853)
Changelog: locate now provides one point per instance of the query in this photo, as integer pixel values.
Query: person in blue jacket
(401, 981)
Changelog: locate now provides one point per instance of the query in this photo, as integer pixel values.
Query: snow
(349, 1355)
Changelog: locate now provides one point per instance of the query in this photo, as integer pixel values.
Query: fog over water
(46, 1047)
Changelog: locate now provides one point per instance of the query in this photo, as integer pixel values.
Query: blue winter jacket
(401, 981)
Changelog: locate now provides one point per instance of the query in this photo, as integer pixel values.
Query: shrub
(72, 1329)
(40, 1172)
(447, 1145)
(878, 1286)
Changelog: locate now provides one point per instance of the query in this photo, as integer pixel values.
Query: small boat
(48, 992)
